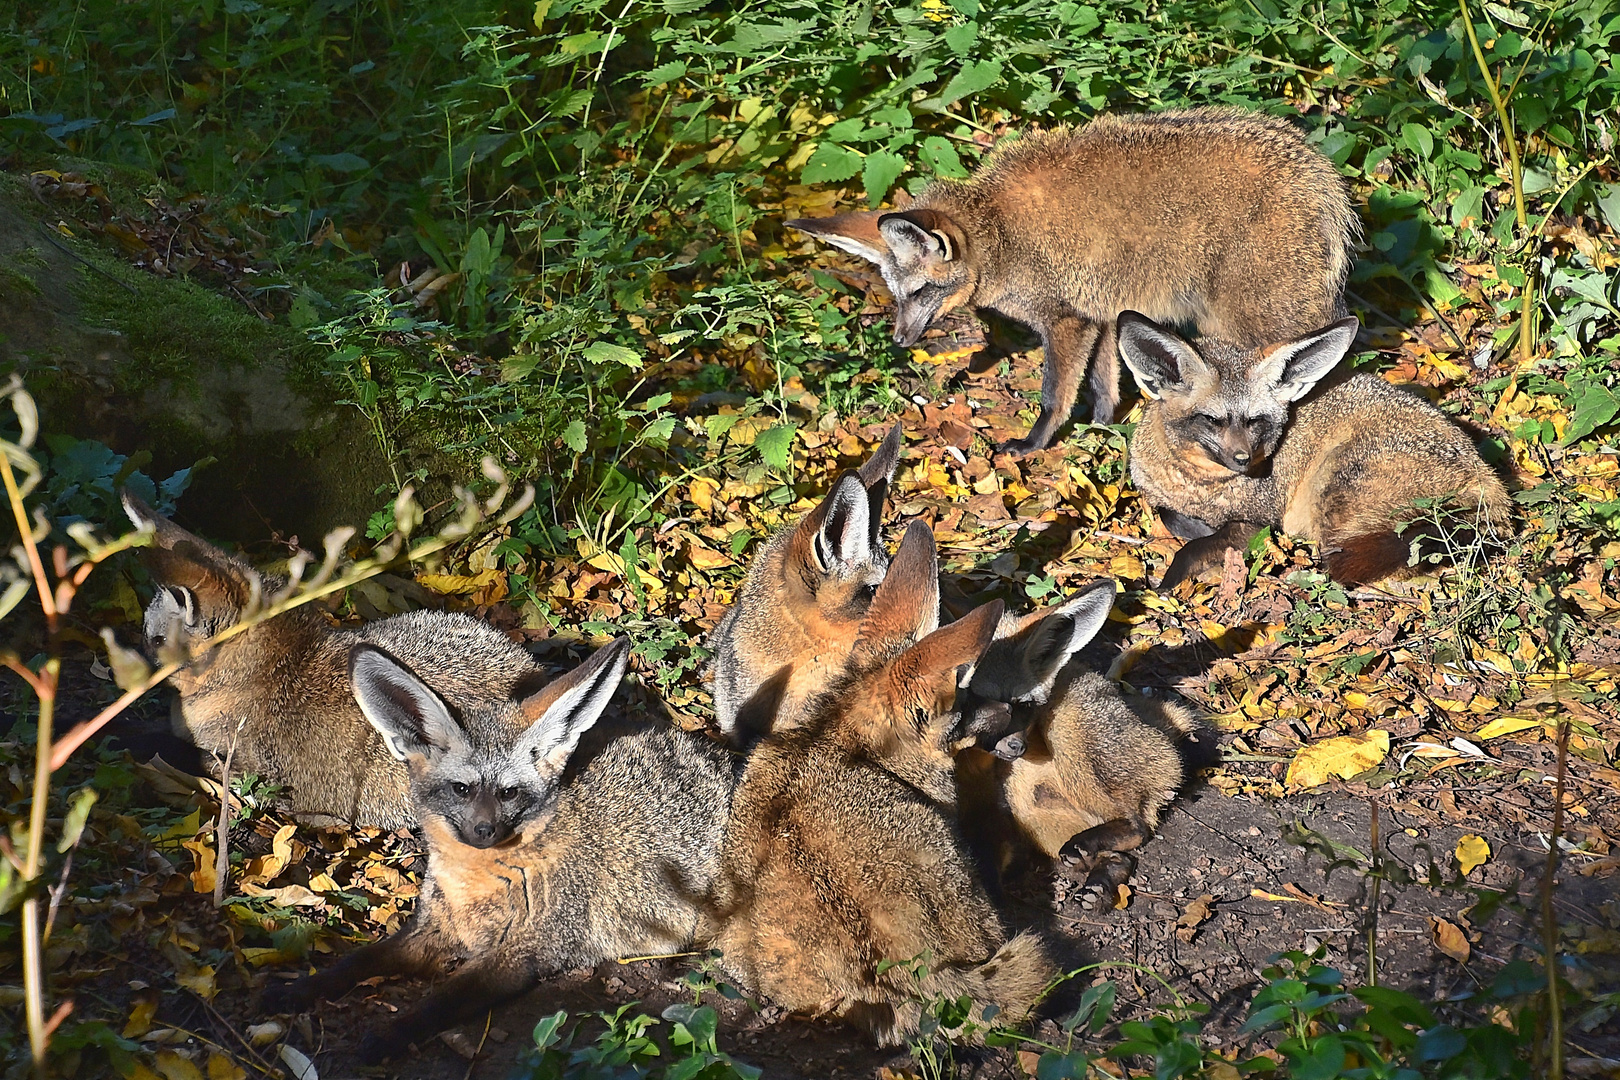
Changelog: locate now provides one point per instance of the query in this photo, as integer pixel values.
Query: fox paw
(1019, 448)
(1105, 873)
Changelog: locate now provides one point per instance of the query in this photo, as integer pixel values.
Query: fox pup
(793, 620)
(1096, 772)
(1235, 438)
(280, 691)
(842, 849)
(545, 852)
(1224, 219)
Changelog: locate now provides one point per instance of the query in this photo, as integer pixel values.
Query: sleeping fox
(1218, 218)
(1235, 438)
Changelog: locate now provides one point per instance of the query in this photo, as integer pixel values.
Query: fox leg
(469, 992)
(1068, 343)
(412, 951)
(1207, 552)
(1105, 376)
(1100, 850)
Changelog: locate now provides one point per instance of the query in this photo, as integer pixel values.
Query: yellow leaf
(323, 882)
(1472, 851)
(140, 1019)
(175, 1067)
(702, 493)
(1356, 699)
(202, 878)
(459, 584)
(1449, 939)
(706, 558)
(221, 1067)
(1123, 898)
(200, 982)
(1127, 568)
(1505, 725)
(1344, 757)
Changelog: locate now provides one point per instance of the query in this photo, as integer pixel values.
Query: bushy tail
(1195, 741)
(1014, 980)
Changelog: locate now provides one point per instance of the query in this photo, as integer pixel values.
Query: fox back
(552, 842)
(1218, 218)
(794, 619)
(1096, 769)
(1266, 436)
(279, 692)
(842, 849)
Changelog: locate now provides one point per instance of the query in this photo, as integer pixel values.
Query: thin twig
(222, 828)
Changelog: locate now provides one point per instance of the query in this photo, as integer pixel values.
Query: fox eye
(461, 790)
(508, 794)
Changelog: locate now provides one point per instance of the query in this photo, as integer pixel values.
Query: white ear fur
(1067, 630)
(844, 538)
(138, 513)
(854, 246)
(552, 739)
(908, 240)
(405, 711)
(1157, 358)
(1293, 369)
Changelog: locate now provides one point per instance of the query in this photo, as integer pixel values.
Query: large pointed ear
(877, 472)
(879, 468)
(568, 707)
(1157, 358)
(1025, 663)
(923, 236)
(906, 607)
(188, 562)
(410, 717)
(838, 531)
(949, 648)
(166, 534)
(856, 233)
(1293, 367)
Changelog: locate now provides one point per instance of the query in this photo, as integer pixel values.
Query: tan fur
(792, 623)
(1355, 455)
(1225, 219)
(623, 865)
(842, 850)
(280, 691)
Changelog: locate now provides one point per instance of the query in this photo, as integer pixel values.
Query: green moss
(14, 282)
(174, 328)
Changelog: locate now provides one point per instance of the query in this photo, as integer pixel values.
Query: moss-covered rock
(163, 364)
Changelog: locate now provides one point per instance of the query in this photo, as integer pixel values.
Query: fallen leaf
(299, 1066)
(1505, 725)
(1472, 851)
(140, 1019)
(199, 982)
(174, 1067)
(266, 1033)
(202, 878)
(1344, 757)
(1123, 898)
(1196, 912)
(1449, 939)
(221, 1067)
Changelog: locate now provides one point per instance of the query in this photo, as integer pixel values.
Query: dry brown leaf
(1450, 939)
(1195, 914)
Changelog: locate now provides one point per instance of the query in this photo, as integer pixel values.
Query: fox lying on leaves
(279, 692)
(1097, 771)
(551, 843)
(842, 850)
(795, 617)
(1236, 438)
(1224, 219)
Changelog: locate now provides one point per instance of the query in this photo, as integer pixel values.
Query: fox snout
(481, 824)
(909, 326)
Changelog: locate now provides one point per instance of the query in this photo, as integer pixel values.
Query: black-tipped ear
(1159, 359)
(844, 537)
(856, 233)
(568, 707)
(881, 465)
(877, 472)
(1293, 368)
(409, 716)
(923, 235)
